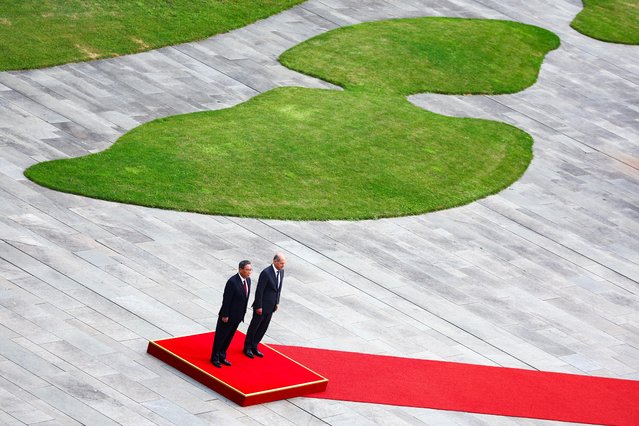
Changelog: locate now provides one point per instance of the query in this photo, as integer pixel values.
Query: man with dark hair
(267, 300)
(232, 312)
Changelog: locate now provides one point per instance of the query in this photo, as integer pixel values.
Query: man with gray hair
(267, 300)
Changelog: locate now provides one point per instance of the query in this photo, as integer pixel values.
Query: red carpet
(472, 388)
(248, 381)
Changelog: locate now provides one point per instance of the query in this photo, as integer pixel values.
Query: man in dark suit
(267, 300)
(234, 303)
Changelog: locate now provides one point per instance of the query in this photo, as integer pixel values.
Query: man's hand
(276, 307)
(225, 319)
(258, 311)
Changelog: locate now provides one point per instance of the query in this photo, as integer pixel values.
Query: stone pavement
(542, 276)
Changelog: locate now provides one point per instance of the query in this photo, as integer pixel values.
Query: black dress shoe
(258, 353)
(216, 363)
(248, 353)
(226, 362)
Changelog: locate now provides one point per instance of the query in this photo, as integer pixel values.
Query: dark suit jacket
(234, 301)
(267, 293)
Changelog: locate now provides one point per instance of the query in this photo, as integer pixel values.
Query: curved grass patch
(365, 152)
(36, 33)
(290, 153)
(442, 55)
(615, 21)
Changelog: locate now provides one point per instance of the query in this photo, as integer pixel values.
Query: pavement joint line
(27, 113)
(79, 284)
(403, 298)
(566, 247)
(177, 49)
(301, 6)
(47, 107)
(580, 142)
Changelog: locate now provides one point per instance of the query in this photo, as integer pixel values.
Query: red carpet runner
(472, 388)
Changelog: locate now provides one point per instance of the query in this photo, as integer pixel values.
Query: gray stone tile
(75, 408)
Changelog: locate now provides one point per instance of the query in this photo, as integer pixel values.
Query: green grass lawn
(40, 33)
(615, 21)
(442, 55)
(365, 152)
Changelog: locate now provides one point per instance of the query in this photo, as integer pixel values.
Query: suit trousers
(257, 329)
(224, 332)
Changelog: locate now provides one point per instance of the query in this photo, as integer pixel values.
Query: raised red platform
(248, 381)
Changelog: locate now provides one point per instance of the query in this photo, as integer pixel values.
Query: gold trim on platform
(288, 387)
(195, 366)
(316, 382)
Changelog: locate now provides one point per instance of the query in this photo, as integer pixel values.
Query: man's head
(279, 260)
(245, 268)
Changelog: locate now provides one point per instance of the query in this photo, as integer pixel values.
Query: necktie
(278, 280)
(245, 288)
